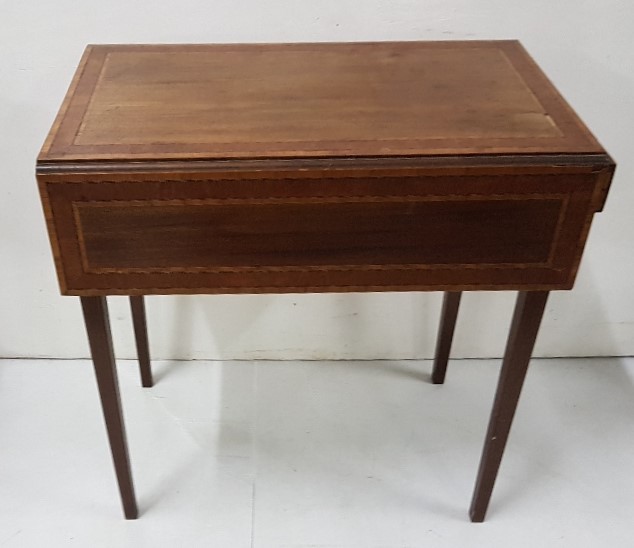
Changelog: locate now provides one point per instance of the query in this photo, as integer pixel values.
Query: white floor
(317, 454)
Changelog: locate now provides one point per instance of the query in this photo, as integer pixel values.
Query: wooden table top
(387, 166)
(386, 99)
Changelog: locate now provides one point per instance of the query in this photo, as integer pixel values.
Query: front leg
(98, 328)
(527, 317)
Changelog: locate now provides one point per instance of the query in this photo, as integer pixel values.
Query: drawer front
(223, 236)
(342, 232)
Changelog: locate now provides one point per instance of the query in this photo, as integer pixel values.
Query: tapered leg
(98, 327)
(528, 313)
(140, 334)
(450, 304)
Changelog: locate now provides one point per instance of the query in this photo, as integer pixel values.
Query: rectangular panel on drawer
(389, 230)
(356, 234)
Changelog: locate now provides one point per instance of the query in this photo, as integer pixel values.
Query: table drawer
(210, 236)
(392, 230)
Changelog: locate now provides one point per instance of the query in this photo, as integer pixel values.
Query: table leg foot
(528, 313)
(139, 321)
(95, 311)
(451, 302)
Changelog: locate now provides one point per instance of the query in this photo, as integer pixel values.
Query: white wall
(587, 48)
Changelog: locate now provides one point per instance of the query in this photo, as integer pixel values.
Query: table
(413, 166)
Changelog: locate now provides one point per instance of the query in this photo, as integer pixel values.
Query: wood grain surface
(281, 234)
(317, 167)
(322, 100)
(192, 235)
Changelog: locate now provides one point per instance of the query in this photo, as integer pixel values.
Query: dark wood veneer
(136, 234)
(210, 235)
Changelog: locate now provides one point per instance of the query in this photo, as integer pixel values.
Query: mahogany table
(415, 166)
